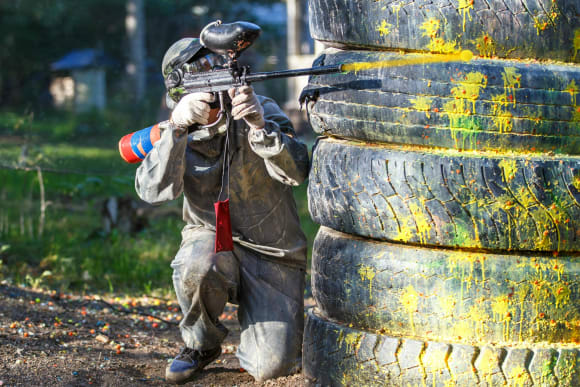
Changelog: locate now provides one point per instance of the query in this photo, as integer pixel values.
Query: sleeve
(159, 178)
(286, 157)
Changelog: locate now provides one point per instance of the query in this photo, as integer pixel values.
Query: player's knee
(192, 273)
(273, 367)
(274, 364)
(204, 270)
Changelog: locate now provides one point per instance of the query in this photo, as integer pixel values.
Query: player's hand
(192, 109)
(245, 105)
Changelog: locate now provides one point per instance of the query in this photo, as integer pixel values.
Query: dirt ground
(54, 339)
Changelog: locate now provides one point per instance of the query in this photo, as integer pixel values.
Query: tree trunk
(135, 26)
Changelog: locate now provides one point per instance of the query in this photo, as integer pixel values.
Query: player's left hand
(245, 105)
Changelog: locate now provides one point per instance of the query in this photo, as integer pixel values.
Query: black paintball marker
(228, 41)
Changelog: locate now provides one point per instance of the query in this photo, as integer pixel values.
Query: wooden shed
(79, 81)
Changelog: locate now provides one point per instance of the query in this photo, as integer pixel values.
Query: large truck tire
(446, 295)
(446, 198)
(448, 191)
(538, 29)
(337, 355)
(495, 105)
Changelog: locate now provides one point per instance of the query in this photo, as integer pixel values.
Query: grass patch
(72, 252)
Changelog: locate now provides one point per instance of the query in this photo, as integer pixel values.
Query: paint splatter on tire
(447, 198)
(538, 29)
(449, 194)
(447, 295)
(478, 105)
(339, 355)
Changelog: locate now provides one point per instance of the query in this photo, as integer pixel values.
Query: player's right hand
(192, 109)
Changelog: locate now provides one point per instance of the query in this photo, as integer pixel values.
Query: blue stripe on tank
(146, 139)
(140, 137)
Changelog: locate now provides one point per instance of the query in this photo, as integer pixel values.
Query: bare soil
(54, 339)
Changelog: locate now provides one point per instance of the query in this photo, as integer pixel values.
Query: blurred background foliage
(59, 166)
(35, 33)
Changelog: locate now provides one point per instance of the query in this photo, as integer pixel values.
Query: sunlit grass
(73, 252)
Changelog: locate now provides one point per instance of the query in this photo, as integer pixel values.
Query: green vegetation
(68, 249)
(58, 167)
(35, 33)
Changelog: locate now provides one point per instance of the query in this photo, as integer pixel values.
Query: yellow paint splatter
(479, 317)
(568, 368)
(486, 46)
(525, 197)
(464, 7)
(501, 117)
(561, 294)
(461, 329)
(559, 268)
(368, 273)
(534, 303)
(465, 95)
(405, 232)
(488, 362)
(576, 43)
(511, 81)
(351, 340)
(430, 28)
(500, 307)
(576, 114)
(440, 45)
(576, 182)
(522, 293)
(465, 55)
(436, 364)
(572, 89)
(542, 22)
(462, 267)
(436, 44)
(396, 9)
(410, 300)
(447, 304)
(423, 104)
(470, 87)
(510, 169)
(385, 28)
(518, 377)
(423, 224)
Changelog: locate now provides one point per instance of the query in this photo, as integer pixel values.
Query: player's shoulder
(269, 104)
(263, 99)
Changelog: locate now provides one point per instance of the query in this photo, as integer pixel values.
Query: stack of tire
(448, 195)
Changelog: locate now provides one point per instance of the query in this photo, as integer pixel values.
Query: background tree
(35, 33)
(135, 25)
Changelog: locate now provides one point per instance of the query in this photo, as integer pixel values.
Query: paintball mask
(185, 55)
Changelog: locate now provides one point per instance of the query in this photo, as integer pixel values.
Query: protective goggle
(205, 63)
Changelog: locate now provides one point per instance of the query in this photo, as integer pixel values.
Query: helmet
(187, 54)
(179, 53)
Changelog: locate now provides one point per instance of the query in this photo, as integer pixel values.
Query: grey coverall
(264, 274)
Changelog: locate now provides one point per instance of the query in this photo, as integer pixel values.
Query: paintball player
(256, 160)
